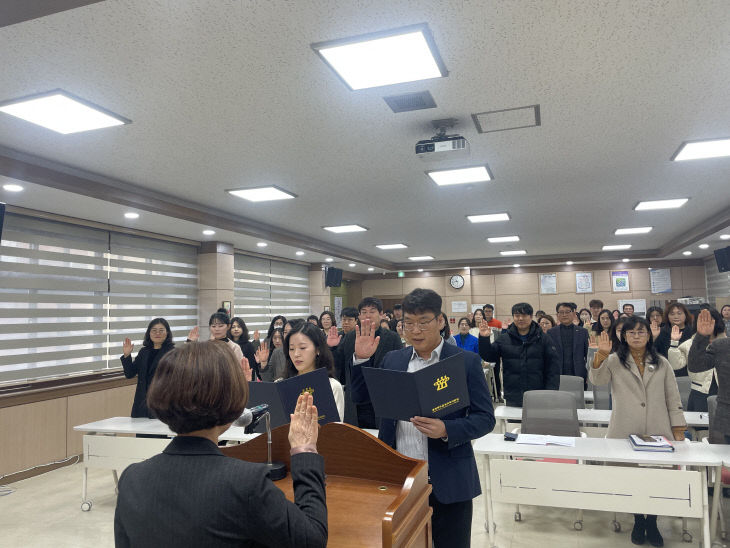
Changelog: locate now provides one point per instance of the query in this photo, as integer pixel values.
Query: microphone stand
(276, 470)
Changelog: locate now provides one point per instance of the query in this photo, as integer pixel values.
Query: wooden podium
(375, 496)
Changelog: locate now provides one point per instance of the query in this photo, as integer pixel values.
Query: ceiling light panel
(446, 177)
(61, 112)
(515, 252)
(10, 187)
(345, 228)
(661, 204)
(637, 230)
(391, 246)
(391, 57)
(618, 247)
(703, 246)
(698, 150)
(262, 194)
(725, 236)
(421, 258)
(489, 218)
(503, 239)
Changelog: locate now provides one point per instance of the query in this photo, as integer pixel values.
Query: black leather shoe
(638, 533)
(652, 533)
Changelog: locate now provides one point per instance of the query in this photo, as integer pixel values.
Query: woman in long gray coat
(645, 398)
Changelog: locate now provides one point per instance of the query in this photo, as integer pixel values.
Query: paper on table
(538, 439)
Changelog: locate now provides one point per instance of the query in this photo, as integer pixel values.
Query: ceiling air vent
(410, 101)
(508, 118)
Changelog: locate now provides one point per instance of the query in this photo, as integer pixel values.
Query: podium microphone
(250, 419)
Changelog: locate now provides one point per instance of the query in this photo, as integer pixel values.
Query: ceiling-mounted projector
(442, 144)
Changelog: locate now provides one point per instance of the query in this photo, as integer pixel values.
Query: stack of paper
(650, 443)
(537, 439)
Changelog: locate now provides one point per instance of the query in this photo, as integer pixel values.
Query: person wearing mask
(156, 343)
(446, 331)
(645, 399)
(327, 320)
(306, 350)
(725, 313)
(219, 324)
(706, 356)
(464, 339)
(570, 341)
(488, 311)
(596, 305)
(676, 314)
(445, 444)
(370, 308)
(529, 358)
(628, 309)
(197, 495)
(545, 322)
(704, 384)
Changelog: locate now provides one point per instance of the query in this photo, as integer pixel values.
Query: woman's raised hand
(676, 333)
(256, 335)
(194, 333)
(604, 343)
(333, 338)
(303, 428)
(262, 354)
(484, 329)
(247, 371)
(655, 329)
(127, 347)
(705, 324)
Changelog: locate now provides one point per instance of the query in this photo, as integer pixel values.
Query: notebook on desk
(539, 439)
(640, 442)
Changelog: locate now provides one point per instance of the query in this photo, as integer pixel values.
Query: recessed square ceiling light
(12, 187)
(391, 246)
(262, 194)
(616, 247)
(394, 56)
(61, 112)
(637, 230)
(345, 228)
(703, 246)
(503, 239)
(421, 258)
(445, 177)
(661, 204)
(489, 218)
(696, 150)
(208, 232)
(515, 252)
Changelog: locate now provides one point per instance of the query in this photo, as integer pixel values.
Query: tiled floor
(45, 512)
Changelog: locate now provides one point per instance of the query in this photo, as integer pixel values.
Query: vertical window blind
(264, 288)
(70, 294)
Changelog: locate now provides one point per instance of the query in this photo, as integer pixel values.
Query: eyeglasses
(641, 333)
(423, 325)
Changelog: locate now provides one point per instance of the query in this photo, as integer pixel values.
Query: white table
(104, 446)
(598, 487)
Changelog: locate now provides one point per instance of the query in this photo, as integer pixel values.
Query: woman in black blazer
(157, 342)
(192, 495)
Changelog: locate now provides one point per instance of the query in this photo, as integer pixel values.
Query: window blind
(264, 288)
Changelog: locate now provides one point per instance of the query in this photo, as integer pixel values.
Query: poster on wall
(338, 308)
(458, 306)
(661, 280)
(548, 284)
(475, 307)
(620, 281)
(584, 282)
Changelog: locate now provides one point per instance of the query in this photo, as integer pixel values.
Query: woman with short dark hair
(157, 342)
(192, 494)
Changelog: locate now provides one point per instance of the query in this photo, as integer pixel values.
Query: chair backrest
(711, 410)
(685, 385)
(549, 412)
(602, 396)
(574, 385)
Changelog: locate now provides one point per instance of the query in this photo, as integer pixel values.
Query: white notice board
(661, 280)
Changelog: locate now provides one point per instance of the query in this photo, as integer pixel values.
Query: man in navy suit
(571, 342)
(444, 443)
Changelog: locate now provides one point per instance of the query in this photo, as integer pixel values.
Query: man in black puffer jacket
(529, 358)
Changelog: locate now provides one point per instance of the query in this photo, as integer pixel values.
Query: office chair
(602, 397)
(574, 385)
(685, 385)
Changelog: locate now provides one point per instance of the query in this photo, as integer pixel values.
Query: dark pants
(451, 524)
(366, 416)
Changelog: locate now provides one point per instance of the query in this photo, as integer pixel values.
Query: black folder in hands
(434, 391)
(282, 396)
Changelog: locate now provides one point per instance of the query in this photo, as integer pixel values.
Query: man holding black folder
(444, 443)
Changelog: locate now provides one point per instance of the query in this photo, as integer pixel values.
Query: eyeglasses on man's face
(423, 325)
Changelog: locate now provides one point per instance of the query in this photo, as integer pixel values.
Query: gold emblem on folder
(441, 382)
(308, 390)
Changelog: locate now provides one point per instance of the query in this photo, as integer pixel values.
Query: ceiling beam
(17, 11)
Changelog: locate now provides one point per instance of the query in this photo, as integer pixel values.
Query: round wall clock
(457, 282)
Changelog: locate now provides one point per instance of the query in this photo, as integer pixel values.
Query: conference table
(603, 486)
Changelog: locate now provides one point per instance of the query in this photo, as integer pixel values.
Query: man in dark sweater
(362, 414)
(571, 341)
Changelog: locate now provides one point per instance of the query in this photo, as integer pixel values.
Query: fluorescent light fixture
(394, 56)
(131, 215)
(329, 259)
(445, 177)
(625, 260)
(725, 236)
(420, 270)
(262, 194)
(516, 265)
(351, 265)
(686, 253)
(421, 258)
(515, 252)
(391, 246)
(569, 263)
(661, 204)
(345, 228)
(300, 253)
(503, 239)
(261, 244)
(637, 230)
(12, 188)
(618, 247)
(61, 112)
(703, 246)
(370, 269)
(489, 218)
(697, 150)
(208, 232)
